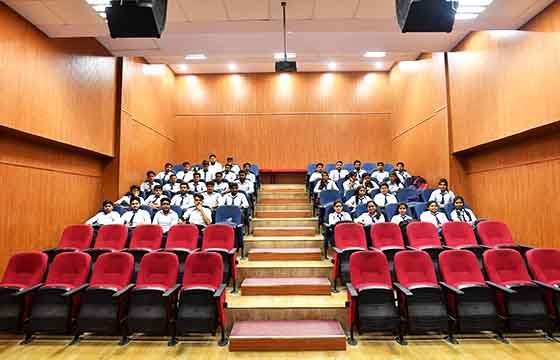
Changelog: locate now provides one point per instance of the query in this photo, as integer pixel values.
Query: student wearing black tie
(148, 185)
(125, 200)
(338, 215)
(358, 198)
(197, 186)
(183, 199)
(358, 169)
(394, 183)
(206, 173)
(384, 198)
(372, 216)
(370, 186)
(324, 184)
(402, 215)
(443, 195)
(401, 172)
(186, 174)
(316, 175)
(228, 174)
(460, 213)
(338, 172)
(166, 173)
(434, 216)
(172, 186)
(135, 216)
(154, 200)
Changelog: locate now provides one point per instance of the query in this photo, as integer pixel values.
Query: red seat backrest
(369, 268)
(414, 268)
(182, 236)
(545, 265)
(203, 269)
(113, 270)
(460, 267)
(494, 233)
(422, 234)
(457, 234)
(25, 269)
(111, 236)
(385, 235)
(76, 237)
(350, 235)
(505, 266)
(69, 269)
(158, 269)
(218, 236)
(146, 236)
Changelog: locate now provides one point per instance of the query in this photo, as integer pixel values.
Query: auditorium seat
(111, 237)
(470, 302)
(55, 304)
(387, 238)
(424, 236)
(23, 276)
(232, 215)
(496, 234)
(182, 240)
(518, 299)
(371, 300)
(407, 195)
(417, 208)
(544, 264)
(202, 301)
(151, 304)
(460, 235)
(103, 307)
(348, 238)
(145, 238)
(420, 298)
(74, 238)
(219, 238)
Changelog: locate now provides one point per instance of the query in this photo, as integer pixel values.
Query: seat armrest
(28, 290)
(220, 291)
(216, 250)
(451, 288)
(500, 287)
(547, 286)
(232, 251)
(447, 247)
(124, 290)
(402, 289)
(171, 291)
(412, 248)
(351, 290)
(76, 290)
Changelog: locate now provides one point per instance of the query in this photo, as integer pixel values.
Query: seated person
(214, 165)
(443, 195)
(358, 170)
(460, 213)
(249, 173)
(221, 186)
(358, 198)
(394, 183)
(384, 197)
(211, 198)
(166, 217)
(380, 175)
(196, 186)
(244, 183)
(324, 184)
(135, 216)
(229, 175)
(338, 172)
(233, 167)
(206, 174)
(107, 216)
(433, 215)
(317, 174)
(148, 185)
(234, 197)
(198, 214)
(183, 198)
(166, 173)
(134, 192)
(172, 186)
(401, 215)
(338, 214)
(186, 174)
(352, 183)
(154, 200)
(370, 186)
(401, 172)
(372, 216)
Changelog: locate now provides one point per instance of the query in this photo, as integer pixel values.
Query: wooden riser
(252, 242)
(284, 195)
(285, 254)
(282, 190)
(283, 187)
(285, 222)
(286, 231)
(284, 201)
(284, 269)
(244, 314)
(284, 214)
(284, 207)
(286, 286)
(287, 336)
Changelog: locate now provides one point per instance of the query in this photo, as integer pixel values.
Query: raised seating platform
(286, 286)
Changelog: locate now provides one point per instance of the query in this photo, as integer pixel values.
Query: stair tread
(285, 219)
(286, 281)
(285, 250)
(283, 238)
(283, 227)
(333, 301)
(285, 264)
(287, 329)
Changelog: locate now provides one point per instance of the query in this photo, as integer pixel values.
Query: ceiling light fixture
(232, 67)
(375, 54)
(195, 57)
(332, 65)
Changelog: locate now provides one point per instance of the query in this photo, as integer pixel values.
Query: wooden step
(275, 214)
(285, 286)
(285, 254)
(286, 207)
(284, 195)
(285, 222)
(283, 187)
(284, 201)
(304, 335)
(283, 269)
(251, 241)
(285, 231)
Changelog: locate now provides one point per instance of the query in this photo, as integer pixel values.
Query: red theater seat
(349, 238)
(74, 238)
(111, 237)
(545, 267)
(220, 238)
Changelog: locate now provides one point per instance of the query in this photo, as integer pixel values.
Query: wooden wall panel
(59, 89)
(547, 21)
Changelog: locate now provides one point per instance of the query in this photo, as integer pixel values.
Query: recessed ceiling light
(232, 67)
(470, 9)
(375, 54)
(332, 65)
(465, 16)
(195, 57)
(280, 55)
(99, 2)
(183, 67)
(475, 2)
(379, 65)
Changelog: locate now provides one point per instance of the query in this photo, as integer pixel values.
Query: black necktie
(437, 219)
(339, 217)
(182, 199)
(442, 198)
(131, 222)
(385, 199)
(372, 219)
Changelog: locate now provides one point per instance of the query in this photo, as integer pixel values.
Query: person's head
(325, 176)
(229, 160)
(433, 206)
(459, 203)
(186, 166)
(394, 178)
(173, 178)
(339, 165)
(380, 166)
(205, 164)
(196, 177)
(357, 164)
(198, 199)
(371, 207)
(337, 206)
(168, 167)
(366, 178)
(402, 209)
(135, 203)
(219, 177)
(247, 166)
(319, 167)
(150, 175)
(233, 188)
(443, 185)
(184, 188)
(227, 167)
(353, 176)
(242, 175)
(210, 187)
(158, 190)
(212, 158)
(135, 190)
(107, 206)
(384, 188)
(165, 205)
(400, 166)
(360, 191)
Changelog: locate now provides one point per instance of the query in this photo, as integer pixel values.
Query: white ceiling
(248, 32)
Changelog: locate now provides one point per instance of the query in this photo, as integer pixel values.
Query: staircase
(285, 281)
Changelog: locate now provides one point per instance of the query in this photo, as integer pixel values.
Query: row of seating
(110, 303)
(463, 302)
(366, 166)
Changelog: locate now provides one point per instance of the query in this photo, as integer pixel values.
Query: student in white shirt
(148, 185)
(352, 183)
(401, 172)
(197, 186)
(206, 174)
(233, 167)
(220, 185)
(317, 174)
(234, 198)
(214, 165)
(338, 215)
(198, 214)
(338, 172)
(372, 216)
(172, 186)
(154, 200)
(166, 217)
(359, 198)
(325, 184)
(443, 195)
(370, 186)
(358, 169)
(183, 198)
(136, 216)
(249, 173)
(380, 175)
(433, 215)
(460, 213)
(394, 183)
(402, 215)
(229, 175)
(384, 197)
(134, 192)
(166, 173)
(186, 174)
(245, 184)
(211, 198)
(107, 216)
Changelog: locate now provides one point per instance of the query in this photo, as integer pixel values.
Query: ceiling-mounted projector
(426, 15)
(285, 65)
(136, 18)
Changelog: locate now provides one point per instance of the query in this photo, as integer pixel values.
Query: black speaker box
(136, 18)
(426, 15)
(285, 66)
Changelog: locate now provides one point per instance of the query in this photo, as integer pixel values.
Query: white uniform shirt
(336, 218)
(403, 175)
(198, 188)
(438, 219)
(379, 176)
(331, 185)
(184, 201)
(315, 176)
(247, 186)
(442, 198)
(147, 186)
(397, 219)
(235, 168)
(103, 219)
(175, 188)
(185, 176)
(166, 220)
(126, 200)
(465, 215)
(193, 216)
(238, 200)
(366, 219)
(211, 200)
(207, 175)
(154, 199)
(382, 200)
(394, 187)
(349, 186)
(164, 176)
(353, 202)
(132, 220)
(335, 175)
(360, 173)
(371, 186)
(250, 176)
(230, 176)
(215, 167)
(222, 187)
